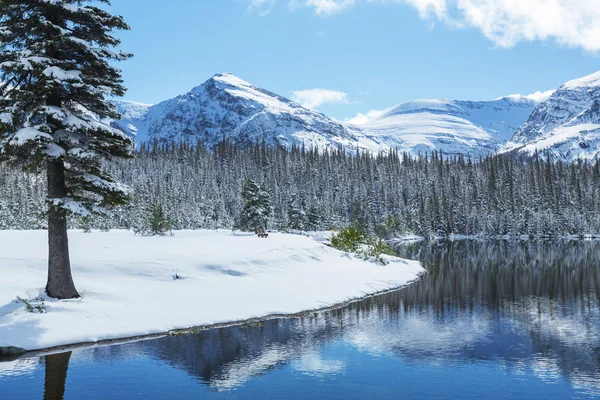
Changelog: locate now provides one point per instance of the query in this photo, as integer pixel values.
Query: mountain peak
(229, 79)
(592, 80)
(567, 125)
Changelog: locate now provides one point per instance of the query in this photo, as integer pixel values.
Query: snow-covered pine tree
(313, 218)
(257, 207)
(55, 66)
(296, 217)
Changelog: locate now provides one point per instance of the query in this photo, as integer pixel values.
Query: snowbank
(129, 289)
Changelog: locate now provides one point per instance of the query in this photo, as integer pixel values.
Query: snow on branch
(29, 134)
(26, 62)
(53, 150)
(61, 75)
(75, 206)
(104, 184)
(6, 118)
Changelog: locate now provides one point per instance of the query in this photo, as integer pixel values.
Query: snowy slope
(132, 116)
(567, 125)
(226, 106)
(128, 288)
(453, 127)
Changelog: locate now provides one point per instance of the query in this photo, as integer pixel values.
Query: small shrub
(353, 240)
(36, 305)
(86, 224)
(348, 239)
(159, 223)
(155, 222)
(376, 248)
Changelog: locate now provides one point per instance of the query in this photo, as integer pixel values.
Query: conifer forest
(389, 194)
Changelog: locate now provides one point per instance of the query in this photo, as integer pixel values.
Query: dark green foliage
(395, 194)
(296, 218)
(354, 240)
(314, 219)
(375, 248)
(55, 73)
(156, 222)
(348, 239)
(87, 224)
(256, 209)
(35, 305)
(159, 222)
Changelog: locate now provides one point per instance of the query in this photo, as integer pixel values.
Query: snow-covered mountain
(465, 127)
(567, 125)
(132, 115)
(226, 106)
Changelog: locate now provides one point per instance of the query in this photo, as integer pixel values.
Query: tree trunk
(56, 376)
(60, 281)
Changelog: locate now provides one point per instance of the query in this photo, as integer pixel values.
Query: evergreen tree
(54, 64)
(155, 221)
(199, 189)
(257, 207)
(313, 218)
(296, 218)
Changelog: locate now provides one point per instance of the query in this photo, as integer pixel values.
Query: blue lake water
(490, 320)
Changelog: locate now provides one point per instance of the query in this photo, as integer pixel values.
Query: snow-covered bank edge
(131, 289)
(407, 239)
(196, 329)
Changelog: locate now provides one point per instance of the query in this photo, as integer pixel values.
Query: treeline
(391, 194)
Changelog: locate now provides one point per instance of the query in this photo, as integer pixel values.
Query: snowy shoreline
(412, 238)
(129, 290)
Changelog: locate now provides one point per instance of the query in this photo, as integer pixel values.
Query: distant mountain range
(453, 127)
(567, 124)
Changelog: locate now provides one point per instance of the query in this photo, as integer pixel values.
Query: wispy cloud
(314, 98)
(538, 97)
(571, 23)
(261, 7)
(320, 7)
(323, 7)
(363, 118)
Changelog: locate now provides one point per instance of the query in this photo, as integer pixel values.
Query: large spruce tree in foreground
(55, 70)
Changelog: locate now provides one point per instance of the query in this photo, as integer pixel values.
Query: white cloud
(262, 7)
(325, 7)
(320, 7)
(361, 119)
(571, 23)
(538, 97)
(314, 98)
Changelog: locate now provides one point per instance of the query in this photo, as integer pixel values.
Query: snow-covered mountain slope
(567, 125)
(465, 127)
(132, 116)
(226, 106)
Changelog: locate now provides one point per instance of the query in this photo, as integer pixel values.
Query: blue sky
(373, 53)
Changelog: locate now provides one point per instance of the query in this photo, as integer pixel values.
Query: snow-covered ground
(128, 284)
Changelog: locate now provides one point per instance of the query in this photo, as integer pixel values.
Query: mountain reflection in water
(525, 308)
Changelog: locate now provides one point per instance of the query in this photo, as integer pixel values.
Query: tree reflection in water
(56, 366)
(525, 306)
